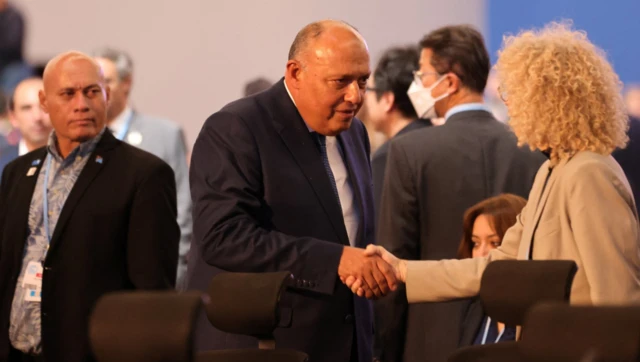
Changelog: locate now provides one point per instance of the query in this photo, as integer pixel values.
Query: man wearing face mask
(435, 174)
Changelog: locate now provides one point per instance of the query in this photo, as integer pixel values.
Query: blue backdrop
(613, 25)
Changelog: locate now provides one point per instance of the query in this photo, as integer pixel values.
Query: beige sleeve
(605, 230)
(441, 280)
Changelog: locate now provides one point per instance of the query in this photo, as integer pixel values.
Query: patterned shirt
(25, 321)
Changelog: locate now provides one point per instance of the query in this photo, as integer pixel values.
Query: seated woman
(484, 226)
(564, 99)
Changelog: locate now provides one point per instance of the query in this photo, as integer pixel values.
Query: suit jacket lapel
(539, 202)
(87, 175)
(25, 187)
(354, 177)
(299, 141)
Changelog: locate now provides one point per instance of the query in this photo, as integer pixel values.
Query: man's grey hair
(122, 60)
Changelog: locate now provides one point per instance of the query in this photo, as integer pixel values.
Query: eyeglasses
(502, 93)
(419, 75)
(370, 89)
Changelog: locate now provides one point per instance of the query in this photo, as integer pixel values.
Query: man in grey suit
(158, 136)
(433, 175)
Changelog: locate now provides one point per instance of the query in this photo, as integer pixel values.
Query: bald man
(281, 181)
(83, 216)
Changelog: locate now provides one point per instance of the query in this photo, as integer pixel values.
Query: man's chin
(341, 126)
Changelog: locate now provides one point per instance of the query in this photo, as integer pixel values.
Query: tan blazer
(586, 213)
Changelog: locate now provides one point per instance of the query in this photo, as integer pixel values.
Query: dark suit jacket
(263, 202)
(117, 231)
(472, 318)
(8, 153)
(433, 176)
(629, 159)
(379, 159)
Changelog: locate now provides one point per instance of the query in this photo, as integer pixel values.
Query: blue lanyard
(45, 202)
(125, 128)
(486, 332)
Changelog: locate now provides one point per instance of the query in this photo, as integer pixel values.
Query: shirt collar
(466, 107)
(119, 122)
(294, 103)
(84, 149)
(22, 147)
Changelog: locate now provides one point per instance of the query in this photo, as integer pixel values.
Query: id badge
(32, 282)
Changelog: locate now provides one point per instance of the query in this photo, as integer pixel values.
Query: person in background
(435, 173)
(256, 86)
(5, 125)
(389, 109)
(483, 227)
(629, 158)
(632, 100)
(28, 118)
(581, 206)
(13, 68)
(158, 136)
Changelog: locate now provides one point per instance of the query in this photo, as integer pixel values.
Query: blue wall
(613, 25)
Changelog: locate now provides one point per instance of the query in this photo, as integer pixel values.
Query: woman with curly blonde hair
(564, 99)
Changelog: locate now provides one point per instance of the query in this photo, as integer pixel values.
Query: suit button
(306, 283)
(349, 319)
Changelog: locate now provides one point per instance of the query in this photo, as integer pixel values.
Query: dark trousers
(354, 348)
(18, 356)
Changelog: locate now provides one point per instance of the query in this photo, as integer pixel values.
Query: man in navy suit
(281, 181)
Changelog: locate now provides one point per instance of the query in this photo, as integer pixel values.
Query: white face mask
(422, 100)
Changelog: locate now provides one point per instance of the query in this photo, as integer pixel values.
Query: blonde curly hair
(562, 94)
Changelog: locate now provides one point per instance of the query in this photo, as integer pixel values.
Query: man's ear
(388, 101)
(294, 73)
(454, 84)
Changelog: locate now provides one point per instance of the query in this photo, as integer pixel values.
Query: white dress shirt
(22, 147)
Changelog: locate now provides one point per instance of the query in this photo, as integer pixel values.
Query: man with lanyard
(81, 217)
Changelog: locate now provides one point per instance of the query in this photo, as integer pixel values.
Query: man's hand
(376, 276)
(399, 267)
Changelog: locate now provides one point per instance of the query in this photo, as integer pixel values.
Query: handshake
(372, 272)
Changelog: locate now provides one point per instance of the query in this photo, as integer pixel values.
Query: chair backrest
(559, 332)
(246, 303)
(509, 288)
(144, 326)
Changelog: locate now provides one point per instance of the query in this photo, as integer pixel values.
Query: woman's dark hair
(502, 211)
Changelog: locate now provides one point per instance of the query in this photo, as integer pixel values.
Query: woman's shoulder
(588, 162)
(594, 168)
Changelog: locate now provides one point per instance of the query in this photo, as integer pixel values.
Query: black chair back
(144, 326)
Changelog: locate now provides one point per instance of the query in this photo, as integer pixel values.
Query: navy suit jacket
(262, 202)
